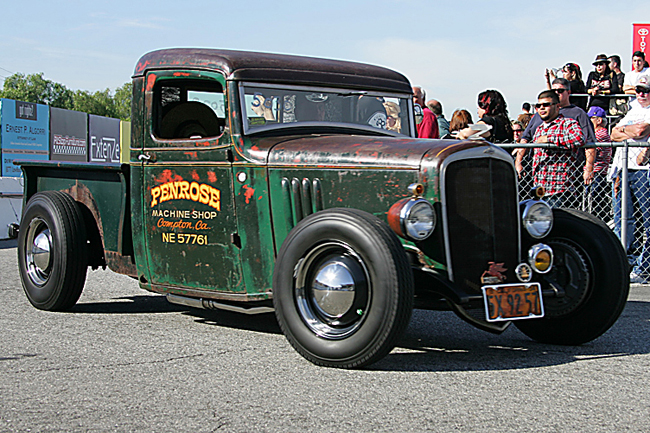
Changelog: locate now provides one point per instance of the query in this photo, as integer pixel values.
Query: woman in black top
(572, 73)
(492, 110)
(602, 81)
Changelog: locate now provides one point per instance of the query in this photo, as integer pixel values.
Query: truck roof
(276, 68)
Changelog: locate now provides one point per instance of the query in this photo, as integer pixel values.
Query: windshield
(269, 107)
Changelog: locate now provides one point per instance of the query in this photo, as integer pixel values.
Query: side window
(188, 109)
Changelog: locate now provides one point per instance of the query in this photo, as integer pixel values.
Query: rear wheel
(52, 251)
(590, 269)
(342, 288)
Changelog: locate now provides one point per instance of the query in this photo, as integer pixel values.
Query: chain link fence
(614, 196)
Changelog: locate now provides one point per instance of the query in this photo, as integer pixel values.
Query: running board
(209, 304)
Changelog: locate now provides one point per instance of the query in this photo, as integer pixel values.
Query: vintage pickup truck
(260, 182)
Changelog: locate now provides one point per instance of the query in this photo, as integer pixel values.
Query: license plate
(513, 301)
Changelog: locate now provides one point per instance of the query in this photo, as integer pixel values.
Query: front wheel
(52, 251)
(342, 288)
(590, 271)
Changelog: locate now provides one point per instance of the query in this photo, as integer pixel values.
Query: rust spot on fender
(168, 176)
(120, 264)
(151, 80)
(249, 193)
(142, 66)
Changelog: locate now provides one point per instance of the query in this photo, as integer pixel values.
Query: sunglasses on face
(543, 105)
(559, 91)
(641, 90)
(517, 131)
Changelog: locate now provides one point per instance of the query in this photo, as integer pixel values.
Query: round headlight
(538, 218)
(419, 220)
(412, 218)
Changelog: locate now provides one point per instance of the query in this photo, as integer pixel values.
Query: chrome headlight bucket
(540, 258)
(412, 218)
(537, 217)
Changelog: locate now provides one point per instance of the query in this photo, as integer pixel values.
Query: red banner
(640, 38)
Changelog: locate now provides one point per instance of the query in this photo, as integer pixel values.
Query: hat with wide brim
(600, 58)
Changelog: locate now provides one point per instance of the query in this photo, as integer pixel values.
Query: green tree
(122, 100)
(35, 88)
(99, 103)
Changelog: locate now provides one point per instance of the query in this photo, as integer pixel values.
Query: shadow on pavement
(265, 323)
(434, 340)
(129, 305)
(8, 243)
(452, 346)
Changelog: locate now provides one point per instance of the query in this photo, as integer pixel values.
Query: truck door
(187, 186)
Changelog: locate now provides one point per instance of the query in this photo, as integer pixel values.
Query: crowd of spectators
(569, 114)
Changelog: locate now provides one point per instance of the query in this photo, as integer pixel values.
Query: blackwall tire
(591, 264)
(52, 249)
(342, 288)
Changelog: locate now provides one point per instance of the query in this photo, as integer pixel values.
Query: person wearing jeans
(635, 126)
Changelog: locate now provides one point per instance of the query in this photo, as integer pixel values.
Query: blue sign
(25, 134)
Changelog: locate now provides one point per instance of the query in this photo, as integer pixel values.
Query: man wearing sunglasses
(554, 169)
(635, 126)
(561, 87)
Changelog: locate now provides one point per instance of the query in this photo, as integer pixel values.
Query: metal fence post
(624, 193)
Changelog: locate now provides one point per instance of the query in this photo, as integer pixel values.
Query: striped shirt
(603, 154)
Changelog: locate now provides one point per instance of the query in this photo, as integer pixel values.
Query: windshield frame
(321, 126)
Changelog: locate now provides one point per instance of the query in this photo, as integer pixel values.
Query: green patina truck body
(260, 182)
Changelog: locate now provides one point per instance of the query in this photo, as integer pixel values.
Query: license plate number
(513, 302)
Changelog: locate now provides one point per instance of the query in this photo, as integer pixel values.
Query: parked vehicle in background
(261, 182)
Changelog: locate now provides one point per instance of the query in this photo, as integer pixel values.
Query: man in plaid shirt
(555, 169)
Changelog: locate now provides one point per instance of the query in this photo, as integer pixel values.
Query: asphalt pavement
(126, 360)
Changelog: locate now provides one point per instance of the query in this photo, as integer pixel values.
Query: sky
(453, 49)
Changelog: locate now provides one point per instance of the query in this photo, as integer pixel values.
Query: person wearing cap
(638, 70)
(393, 120)
(635, 126)
(601, 82)
(597, 164)
(428, 126)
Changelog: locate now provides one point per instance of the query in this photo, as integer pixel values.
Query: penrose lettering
(184, 190)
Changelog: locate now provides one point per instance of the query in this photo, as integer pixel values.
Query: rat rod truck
(261, 182)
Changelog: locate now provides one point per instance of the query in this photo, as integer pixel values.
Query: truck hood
(339, 151)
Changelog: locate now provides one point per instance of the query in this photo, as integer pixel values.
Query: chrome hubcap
(332, 290)
(38, 247)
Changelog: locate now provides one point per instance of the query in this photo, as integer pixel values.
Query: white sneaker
(637, 279)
